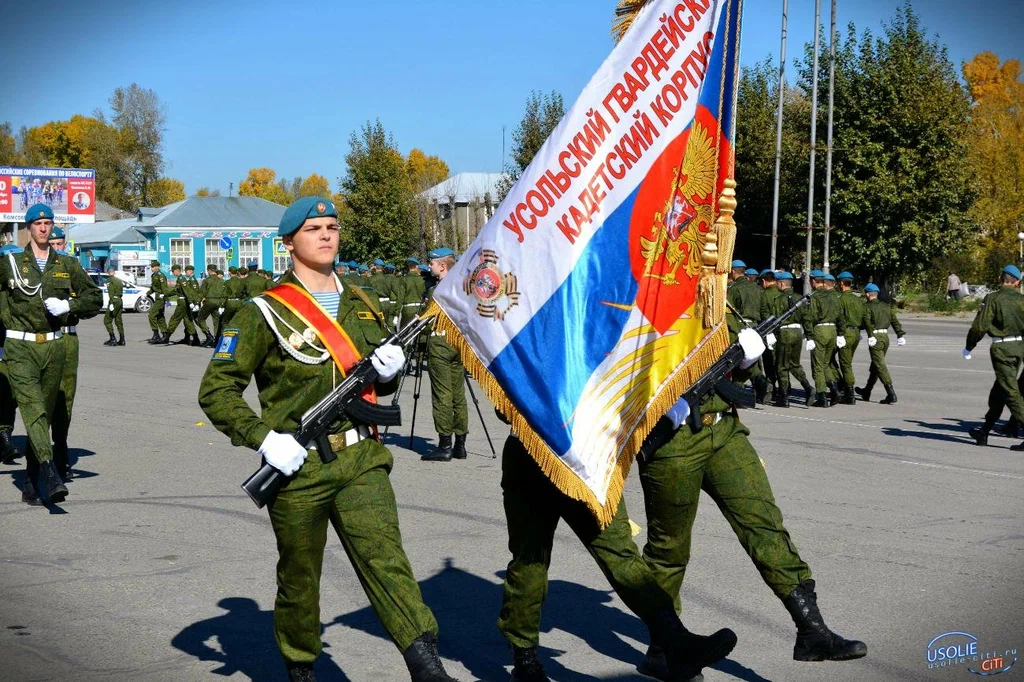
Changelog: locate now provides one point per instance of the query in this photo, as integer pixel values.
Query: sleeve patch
(226, 346)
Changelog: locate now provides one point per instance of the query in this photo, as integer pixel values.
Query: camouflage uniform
(159, 291)
(115, 308)
(820, 326)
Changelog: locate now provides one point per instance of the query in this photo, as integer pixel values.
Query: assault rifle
(715, 380)
(263, 485)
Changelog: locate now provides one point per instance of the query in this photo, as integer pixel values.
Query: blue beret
(871, 288)
(10, 248)
(252, 265)
(1012, 270)
(38, 212)
(845, 275)
(352, 264)
(828, 277)
(364, 268)
(379, 262)
(412, 259)
(389, 266)
(767, 272)
(306, 207)
(441, 253)
(424, 268)
(784, 275)
(750, 271)
(817, 274)
(739, 264)
(56, 233)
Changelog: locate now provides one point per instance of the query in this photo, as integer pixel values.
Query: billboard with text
(70, 192)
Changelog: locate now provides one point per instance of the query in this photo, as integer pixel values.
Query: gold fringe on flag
(716, 258)
(567, 481)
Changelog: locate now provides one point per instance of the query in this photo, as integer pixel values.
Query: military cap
(364, 268)
(232, 270)
(1012, 271)
(412, 259)
(389, 266)
(243, 270)
(189, 267)
(739, 264)
(783, 275)
(828, 277)
(871, 288)
(211, 268)
(252, 265)
(768, 272)
(424, 268)
(352, 264)
(306, 207)
(175, 267)
(56, 234)
(750, 271)
(38, 212)
(154, 263)
(845, 275)
(441, 252)
(10, 248)
(817, 274)
(379, 262)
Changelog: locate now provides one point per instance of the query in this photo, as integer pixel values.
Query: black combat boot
(820, 400)
(525, 665)
(980, 433)
(155, 338)
(459, 450)
(848, 396)
(865, 393)
(814, 641)
(686, 653)
(165, 339)
(195, 340)
(443, 451)
(30, 489)
(120, 339)
(112, 341)
(210, 342)
(185, 341)
(424, 662)
(809, 395)
(1010, 429)
(783, 399)
(890, 395)
(62, 462)
(656, 665)
(833, 394)
(55, 487)
(776, 395)
(760, 389)
(301, 672)
(8, 453)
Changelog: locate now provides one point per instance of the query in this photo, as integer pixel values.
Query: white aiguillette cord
(20, 283)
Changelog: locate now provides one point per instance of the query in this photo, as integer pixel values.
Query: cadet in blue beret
(820, 331)
(751, 274)
(379, 262)
(879, 316)
(38, 212)
(441, 253)
(744, 297)
(739, 264)
(413, 259)
(270, 343)
(389, 267)
(784, 275)
(844, 275)
(848, 326)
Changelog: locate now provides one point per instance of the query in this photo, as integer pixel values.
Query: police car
(134, 298)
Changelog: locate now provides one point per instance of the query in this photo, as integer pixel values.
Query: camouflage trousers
(157, 321)
(182, 313)
(787, 358)
(36, 371)
(115, 316)
(7, 402)
(721, 461)
(447, 388)
(822, 371)
(60, 422)
(209, 309)
(353, 494)
(533, 508)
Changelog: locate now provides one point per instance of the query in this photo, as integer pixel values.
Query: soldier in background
(214, 296)
(158, 292)
(789, 346)
(879, 316)
(850, 322)
(744, 310)
(820, 332)
(114, 313)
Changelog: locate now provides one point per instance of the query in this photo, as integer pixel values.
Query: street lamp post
(1020, 242)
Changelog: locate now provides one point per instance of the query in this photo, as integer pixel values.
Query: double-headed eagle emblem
(675, 233)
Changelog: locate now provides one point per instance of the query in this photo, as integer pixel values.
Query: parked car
(135, 297)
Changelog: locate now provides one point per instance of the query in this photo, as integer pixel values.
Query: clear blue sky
(283, 84)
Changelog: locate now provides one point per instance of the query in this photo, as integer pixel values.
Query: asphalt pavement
(158, 567)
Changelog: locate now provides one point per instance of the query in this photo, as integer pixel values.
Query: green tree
(9, 153)
(379, 214)
(543, 112)
(140, 118)
(164, 191)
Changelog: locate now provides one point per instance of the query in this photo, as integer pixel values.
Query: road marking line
(954, 468)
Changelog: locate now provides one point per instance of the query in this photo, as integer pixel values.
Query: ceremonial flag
(595, 295)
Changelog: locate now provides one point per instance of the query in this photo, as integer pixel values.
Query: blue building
(224, 231)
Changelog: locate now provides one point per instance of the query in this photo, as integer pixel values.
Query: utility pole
(814, 139)
(778, 132)
(828, 151)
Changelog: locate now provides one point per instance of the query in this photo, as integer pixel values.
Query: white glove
(388, 360)
(753, 347)
(811, 345)
(282, 452)
(110, 307)
(394, 321)
(872, 341)
(770, 340)
(901, 341)
(57, 306)
(678, 413)
(966, 353)
(220, 311)
(840, 342)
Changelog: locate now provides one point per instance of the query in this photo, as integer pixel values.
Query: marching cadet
(158, 291)
(233, 297)
(878, 317)
(115, 308)
(213, 295)
(8, 452)
(43, 290)
(751, 274)
(255, 282)
(533, 509)
(289, 345)
(744, 297)
(850, 322)
(185, 294)
(820, 332)
(411, 292)
(60, 422)
(789, 345)
(447, 379)
(771, 295)
(720, 459)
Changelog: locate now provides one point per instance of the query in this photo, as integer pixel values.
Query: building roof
(216, 213)
(465, 187)
(123, 231)
(105, 211)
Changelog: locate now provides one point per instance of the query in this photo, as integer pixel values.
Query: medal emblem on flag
(495, 291)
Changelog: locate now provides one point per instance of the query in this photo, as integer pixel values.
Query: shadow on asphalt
(242, 641)
(467, 605)
(17, 470)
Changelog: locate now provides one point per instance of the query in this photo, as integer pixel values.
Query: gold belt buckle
(708, 419)
(40, 338)
(337, 441)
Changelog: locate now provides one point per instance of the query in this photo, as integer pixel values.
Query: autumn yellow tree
(314, 186)
(207, 192)
(261, 183)
(425, 171)
(163, 191)
(997, 156)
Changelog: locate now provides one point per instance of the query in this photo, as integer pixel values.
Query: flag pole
(828, 152)
(814, 138)
(778, 132)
